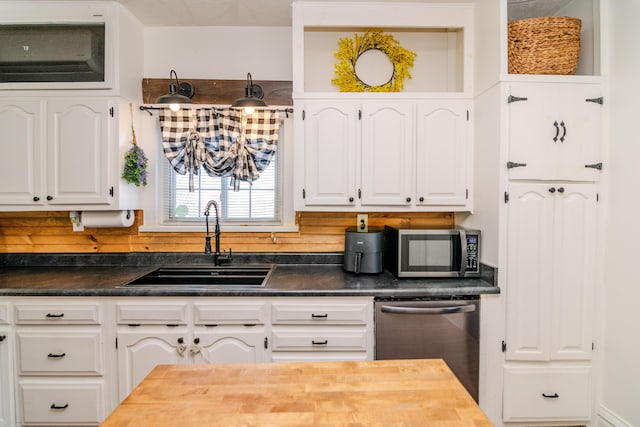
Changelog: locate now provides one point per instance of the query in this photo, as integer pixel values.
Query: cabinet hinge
(597, 197)
(359, 114)
(593, 346)
(506, 197)
(504, 346)
(304, 194)
(467, 115)
(111, 191)
(266, 342)
(599, 100)
(304, 115)
(111, 111)
(116, 343)
(512, 98)
(466, 194)
(359, 193)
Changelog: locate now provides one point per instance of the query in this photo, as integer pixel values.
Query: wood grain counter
(370, 393)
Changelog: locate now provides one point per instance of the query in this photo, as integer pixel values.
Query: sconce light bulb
(174, 107)
(249, 110)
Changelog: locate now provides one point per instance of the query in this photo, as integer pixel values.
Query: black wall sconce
(179, 93)
(253, 95)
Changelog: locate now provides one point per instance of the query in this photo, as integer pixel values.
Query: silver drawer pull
(429, 310)
(56, 355)
(54, 406)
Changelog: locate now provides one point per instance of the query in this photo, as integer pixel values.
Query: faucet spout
(217, 256)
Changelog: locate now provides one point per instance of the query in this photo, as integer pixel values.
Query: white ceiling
(257, 13)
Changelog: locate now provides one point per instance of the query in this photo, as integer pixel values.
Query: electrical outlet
(363, 223)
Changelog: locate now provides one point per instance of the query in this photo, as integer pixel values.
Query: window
(259, 203)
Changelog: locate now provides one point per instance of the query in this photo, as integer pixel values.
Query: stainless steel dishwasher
(423, 329)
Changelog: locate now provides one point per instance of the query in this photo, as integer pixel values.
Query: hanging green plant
(135, 161)
(351, 49)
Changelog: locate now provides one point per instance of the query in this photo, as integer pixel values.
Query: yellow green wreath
(349, 50)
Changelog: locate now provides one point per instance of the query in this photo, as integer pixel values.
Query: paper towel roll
(108, 219)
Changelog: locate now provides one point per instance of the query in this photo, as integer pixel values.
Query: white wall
(218, 53)
(621, 354)
(224, 53)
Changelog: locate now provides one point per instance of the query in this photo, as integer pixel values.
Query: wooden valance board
(221, 92)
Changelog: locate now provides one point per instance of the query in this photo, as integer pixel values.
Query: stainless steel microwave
(413, 253)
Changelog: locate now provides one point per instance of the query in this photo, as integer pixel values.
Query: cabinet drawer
(46, 353)
(547, 394)
(4, 314)
(62, 404)
(321, 314)
(319, 340)
(221, 313)
(152, 313)
(58, 314)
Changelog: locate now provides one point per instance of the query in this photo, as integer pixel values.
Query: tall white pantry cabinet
(539, 167)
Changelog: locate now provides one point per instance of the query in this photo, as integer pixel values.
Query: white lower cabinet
(62, 402)
(6, 371)
(68, 361)
(547, 394)
(60, 362)
(306, 329)
(161, 331)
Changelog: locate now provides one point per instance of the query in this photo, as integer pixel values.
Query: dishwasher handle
(428, 310)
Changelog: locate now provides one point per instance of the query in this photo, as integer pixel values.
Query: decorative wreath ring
(349, 50)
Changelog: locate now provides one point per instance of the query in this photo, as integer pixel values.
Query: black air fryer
(363, 251)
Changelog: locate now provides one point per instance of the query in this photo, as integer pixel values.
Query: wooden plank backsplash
(51, 232)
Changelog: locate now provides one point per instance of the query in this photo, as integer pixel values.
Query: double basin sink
(204, 276)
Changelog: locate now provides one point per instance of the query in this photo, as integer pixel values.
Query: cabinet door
(21, 146)
(330, 154)
(555, 132)
(574, 258)
(241, 344)
(387, 151)
(550, 269)
(441, 154)
(77, 152)
(140, 352)
(6, 381)
(529, 261)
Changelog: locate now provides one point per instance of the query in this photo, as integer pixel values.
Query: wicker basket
(547, 45)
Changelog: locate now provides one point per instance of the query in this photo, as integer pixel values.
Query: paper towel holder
(78, 223)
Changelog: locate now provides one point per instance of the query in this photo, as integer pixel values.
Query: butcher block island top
(404, 393)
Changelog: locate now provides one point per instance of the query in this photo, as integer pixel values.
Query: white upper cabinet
(78, 152)
(65, 154)
(376, 150)
(442, 154)
(555, 131)
(329, 154)
(383, 156)
(387, 154)
(20, 141)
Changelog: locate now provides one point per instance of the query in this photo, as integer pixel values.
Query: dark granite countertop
(294, 275)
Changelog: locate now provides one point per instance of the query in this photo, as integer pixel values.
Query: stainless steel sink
(202, 276)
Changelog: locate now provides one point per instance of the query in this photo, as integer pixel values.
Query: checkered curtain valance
(223, 142)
